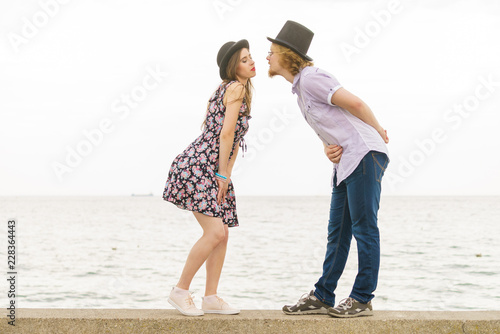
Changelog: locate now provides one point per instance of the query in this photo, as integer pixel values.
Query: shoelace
(220, 300)
(346, 303)
(189, 300)
(303, 298)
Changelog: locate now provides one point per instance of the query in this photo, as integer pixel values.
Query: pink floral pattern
(191, 183)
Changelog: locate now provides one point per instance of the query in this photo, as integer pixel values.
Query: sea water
(437, 253)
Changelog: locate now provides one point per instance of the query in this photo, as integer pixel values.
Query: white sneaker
(182, 301)
(215, 304)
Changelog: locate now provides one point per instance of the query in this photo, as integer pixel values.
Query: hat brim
(291, 47)
(241, 44)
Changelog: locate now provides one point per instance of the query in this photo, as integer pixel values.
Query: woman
(199, 179)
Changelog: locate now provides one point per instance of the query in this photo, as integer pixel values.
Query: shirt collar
(295, 81)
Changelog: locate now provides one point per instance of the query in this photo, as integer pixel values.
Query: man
(346, 126)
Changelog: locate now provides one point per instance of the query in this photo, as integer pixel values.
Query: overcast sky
(98, 97)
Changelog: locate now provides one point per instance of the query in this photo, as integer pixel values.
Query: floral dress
(191, 183)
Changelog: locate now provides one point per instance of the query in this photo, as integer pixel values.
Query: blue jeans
(353, 211)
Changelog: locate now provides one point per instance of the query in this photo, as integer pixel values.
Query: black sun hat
(296, 37)
(225, 53)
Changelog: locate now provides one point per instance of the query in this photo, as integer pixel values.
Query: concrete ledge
(249, 321)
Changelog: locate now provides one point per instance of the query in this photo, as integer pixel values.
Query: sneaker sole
(325, 312)
(182, 311)
(365, 313)
(227, 312)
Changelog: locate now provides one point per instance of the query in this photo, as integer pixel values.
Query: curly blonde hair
(290, 60)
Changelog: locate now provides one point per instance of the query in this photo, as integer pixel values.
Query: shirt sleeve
(320, 86)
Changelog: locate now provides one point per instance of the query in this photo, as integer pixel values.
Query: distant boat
(143, 195)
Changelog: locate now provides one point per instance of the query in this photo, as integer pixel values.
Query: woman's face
(246, 66)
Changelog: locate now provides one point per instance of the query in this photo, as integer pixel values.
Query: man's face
(273, 61)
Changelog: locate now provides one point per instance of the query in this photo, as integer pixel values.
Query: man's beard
(271, 73)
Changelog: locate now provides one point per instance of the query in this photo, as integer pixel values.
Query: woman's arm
(231, 162)
(232, 100)
(353, 104)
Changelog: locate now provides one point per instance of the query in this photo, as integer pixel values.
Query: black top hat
(296, 37)
(225, 53)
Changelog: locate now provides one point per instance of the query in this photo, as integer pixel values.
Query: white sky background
(71, 72)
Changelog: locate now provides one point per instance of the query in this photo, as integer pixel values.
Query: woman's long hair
(232, 65)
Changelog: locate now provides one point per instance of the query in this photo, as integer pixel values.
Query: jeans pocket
(380, 162)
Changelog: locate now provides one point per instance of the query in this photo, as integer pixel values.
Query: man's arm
(353, 104)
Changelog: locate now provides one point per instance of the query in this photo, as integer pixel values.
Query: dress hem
(181, 206)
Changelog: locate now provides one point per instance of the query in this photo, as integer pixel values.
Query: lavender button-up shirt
(333, 124)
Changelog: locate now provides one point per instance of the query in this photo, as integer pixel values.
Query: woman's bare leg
(214, 264)
(213, 234)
